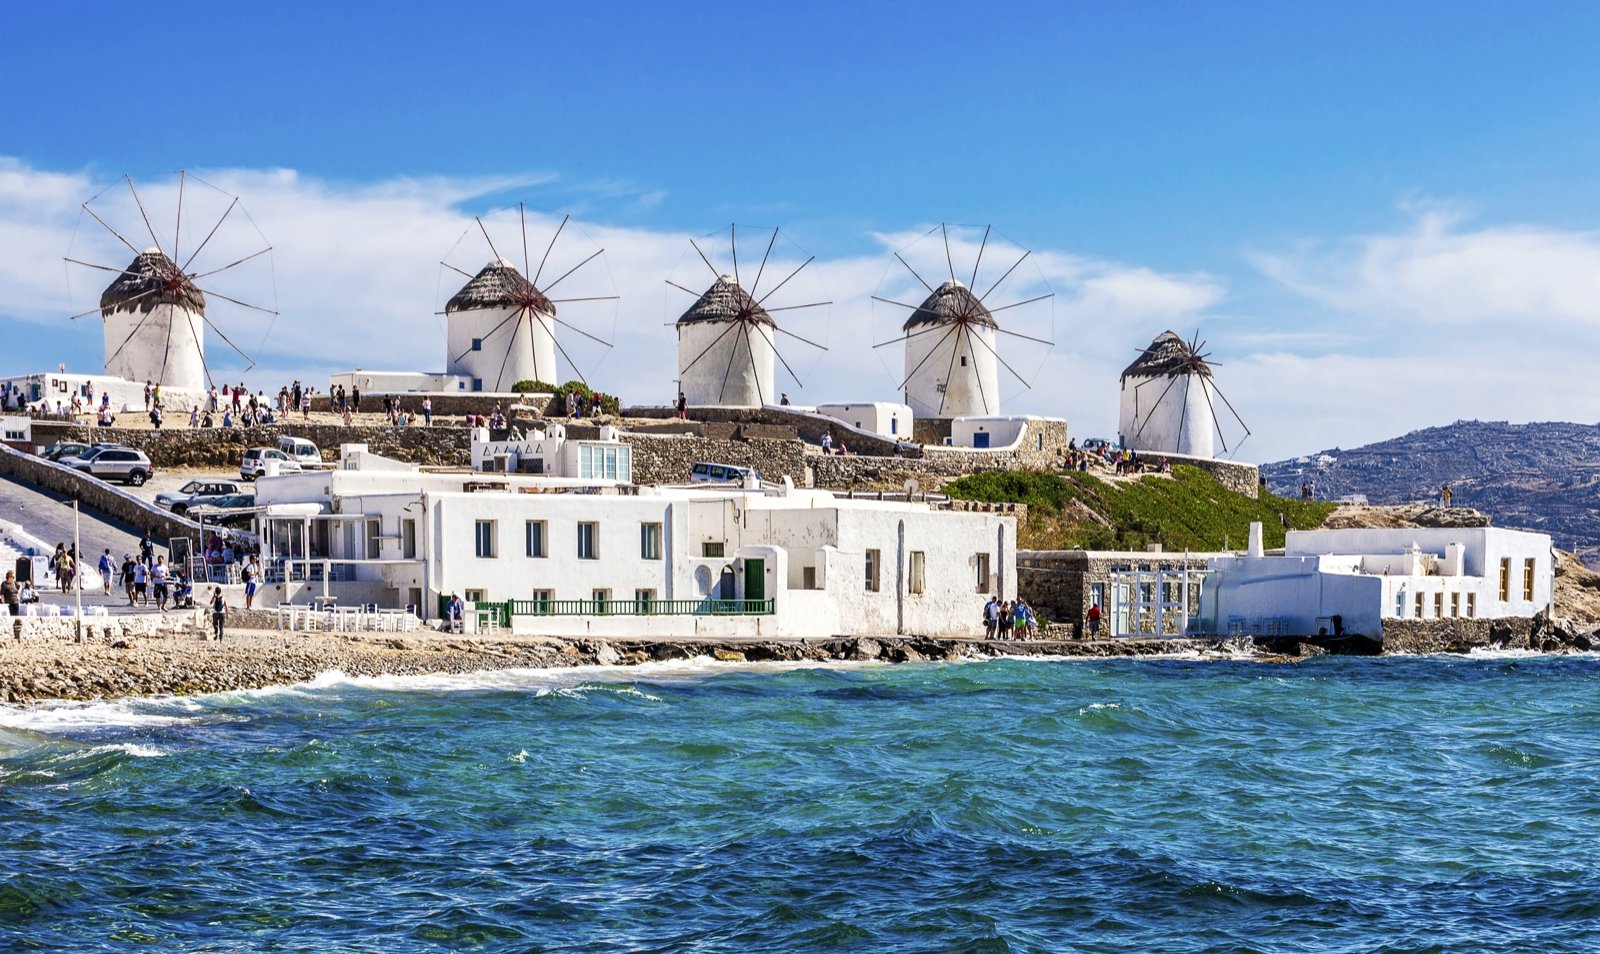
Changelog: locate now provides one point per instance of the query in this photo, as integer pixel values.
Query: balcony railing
(706, 607)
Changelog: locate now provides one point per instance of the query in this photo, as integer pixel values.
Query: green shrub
(532, 387)
(558, 404)
(1189, 510)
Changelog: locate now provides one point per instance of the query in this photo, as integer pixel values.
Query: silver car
(194, 492)
(255, 462)
(127, 464)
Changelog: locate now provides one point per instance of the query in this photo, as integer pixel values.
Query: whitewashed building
(951, 365)
(500, 330)
(726, 352)
(1165, 401)
(883, 418)
(1367, 576)
(569, 554)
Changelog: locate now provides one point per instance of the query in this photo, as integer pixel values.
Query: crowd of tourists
(1009, 619)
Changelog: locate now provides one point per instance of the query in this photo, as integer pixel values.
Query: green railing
(707, 607)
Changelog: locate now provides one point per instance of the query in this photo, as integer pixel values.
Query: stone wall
(223, 448)
(109, 499)
(1239, 478)
(808, 425)
(1456, 635)
(666, 459)
(456, 404)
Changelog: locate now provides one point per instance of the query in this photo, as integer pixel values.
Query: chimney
(1255, 548)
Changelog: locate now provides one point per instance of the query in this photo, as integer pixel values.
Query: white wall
(165, 345)
(1167, 415)
(951, 375)
(519, 349)
(1004, 432)
(875, 417)
(736, 371)
(398, 382)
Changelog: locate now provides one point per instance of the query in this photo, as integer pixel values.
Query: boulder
(867, 648)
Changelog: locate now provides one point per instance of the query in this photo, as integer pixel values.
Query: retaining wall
(109, 499)
(224, 447)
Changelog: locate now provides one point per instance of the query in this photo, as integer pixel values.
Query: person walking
(158, 583)
(107, 570)
(147, 548)
(1093, 616)
(127, 575)
(219, 613)
(141, 578)
(683, 407)
(11, 595)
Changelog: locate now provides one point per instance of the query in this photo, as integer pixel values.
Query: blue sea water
(1417, 804)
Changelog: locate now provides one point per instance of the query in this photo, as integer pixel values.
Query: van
(301, 451)
(708, 473)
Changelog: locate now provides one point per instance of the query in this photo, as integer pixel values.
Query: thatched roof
(1169, 356)
(726, 301)
(951, 302)
(151, 270)
(498, 285)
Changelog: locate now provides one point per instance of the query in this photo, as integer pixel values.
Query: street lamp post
(77, 571)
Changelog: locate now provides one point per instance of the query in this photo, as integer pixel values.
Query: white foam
(66, 717)
(132, 748)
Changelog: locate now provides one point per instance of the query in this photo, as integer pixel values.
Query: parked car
(302, 452)
(256, 458)
(194, 492)
(708, 473)
(63, 449)
(127, 464)
(226, 510)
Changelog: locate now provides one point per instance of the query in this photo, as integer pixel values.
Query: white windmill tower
(727, 340)
(501, 325)
(1166, 403)
(154, 312)
(952, 356)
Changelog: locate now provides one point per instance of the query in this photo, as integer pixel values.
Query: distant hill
(1543, 476)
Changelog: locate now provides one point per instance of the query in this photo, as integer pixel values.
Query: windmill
(1166, 401)
(154, 314)
(952, 353)
(728, 338)
(501, 325)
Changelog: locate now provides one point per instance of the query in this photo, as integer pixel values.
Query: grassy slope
(1189, 510)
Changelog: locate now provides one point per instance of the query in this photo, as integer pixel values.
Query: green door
(755, 579)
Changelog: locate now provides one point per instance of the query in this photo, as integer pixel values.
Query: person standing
(127, 575)
(683, 407)
(1093, 616)
(427, 412)
(219, 613)
(147, 548)
(141, 579)
(355, 400)
(991, 616)
(1445, 493)
(158, 583)
(11, 595)
(107, 571)
(249, 573)
(456, 610)
(147, 393)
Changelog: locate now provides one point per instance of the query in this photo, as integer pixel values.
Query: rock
(605, 655)
(728, 655)
(867, 648)
(120, 644)
(665, 651)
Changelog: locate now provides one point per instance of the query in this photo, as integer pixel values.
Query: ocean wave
(54, 718)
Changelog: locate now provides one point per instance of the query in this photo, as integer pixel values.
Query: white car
(256, 458)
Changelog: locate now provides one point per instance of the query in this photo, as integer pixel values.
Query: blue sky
(1297, 166)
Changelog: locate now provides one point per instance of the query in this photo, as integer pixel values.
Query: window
(982, 561)
(408, 539)
(1400, 604)
(1505, 579)
(374, 539)
(808, 578)
(588, 541)
(873, 559)
(963, 361)
(605, 462)
(475, 596)
(914, 576)
(477, 384)
(477, 344)
(1421, 607)
(1455, 604)
(534, 532)
(642, 600)
(483, 538)
(1527, 580)
(649, 541)
(1097, 595)
(1472, 605)
(541, 602)
(711, 549)
(601, 601)
(1438, 605)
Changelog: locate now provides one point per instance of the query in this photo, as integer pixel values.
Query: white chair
(101, 611)
(52, 610)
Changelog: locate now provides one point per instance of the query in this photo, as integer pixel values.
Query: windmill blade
(763, 268)
(1234, 413)
(103, 268)
(714, 273)
(947, 259)
(733, 245)
(166, 354)
(982, 394)
(458, 271)
(1214, 422)
(503, 322)
(109, 228)
(492, 250)
(1019, 304)
(547, 248)
(733, 352)
(194, 335)
(979, 261)
(207, 240)
(177, 228)
(195, 278)
(1005, 276)
(763, 298)
(682, 289)
(522, 216)
(1183, 416)
(1024, 337)
(891, 301)
(947, 333)
(1173, 379)
(683, 370)
(1022, 380)
(577, 330)
(796, 337)
(815, 304)
(236, 301)
(961, 332)
(913, 272)
(238, 350)
(597, 254)
(774, 346)
(142, 214)
(566, 301)
(570, 363)
(96, 309)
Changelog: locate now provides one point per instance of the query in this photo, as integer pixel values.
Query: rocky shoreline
(179, 660)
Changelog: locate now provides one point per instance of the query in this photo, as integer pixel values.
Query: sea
(1174, 805)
